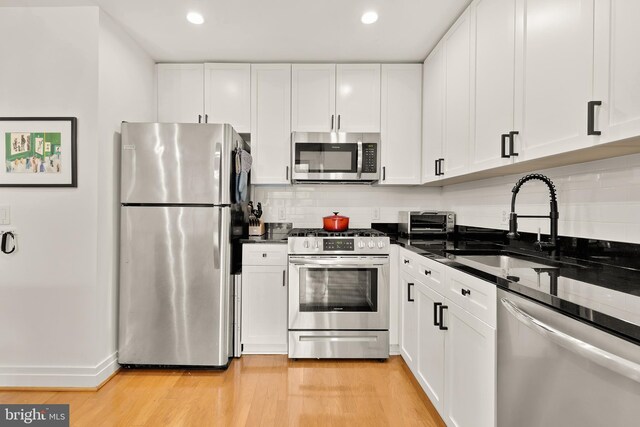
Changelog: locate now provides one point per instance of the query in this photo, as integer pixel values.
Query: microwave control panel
(369, 158)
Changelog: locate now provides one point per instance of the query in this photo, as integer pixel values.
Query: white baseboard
(394, 349)
(59, 376)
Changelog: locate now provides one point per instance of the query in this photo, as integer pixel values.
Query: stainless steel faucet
(552, 244)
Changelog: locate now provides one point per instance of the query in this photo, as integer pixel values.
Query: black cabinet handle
(441, 167)
(287, 174)
(427, 272)
(384, 173)
(338, 121)
(591, 118)
(436, 165)
(436, 306)
(512, 134)
(206, 118)
(284, 277)
(199, 118)
(409, 285)
(406, 261)
(332, 116)
(503, 146)
(441, 326)
(465, 292)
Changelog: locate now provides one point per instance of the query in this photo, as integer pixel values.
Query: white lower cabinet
(408, 320)
(469, 369)
(450, 351)
(264, 326)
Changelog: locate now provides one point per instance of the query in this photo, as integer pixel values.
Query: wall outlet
(5, 215)
(504, 219)
(282, 213)
(376, 213)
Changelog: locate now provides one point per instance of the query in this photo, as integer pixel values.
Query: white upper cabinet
(401, 126)
(358, 97)
(313, 100)
(228, 95)
(493, 83)
(457, 57)
(554, 76)
(270, 123)
(617, 70)
(180, 93)
(432, 114)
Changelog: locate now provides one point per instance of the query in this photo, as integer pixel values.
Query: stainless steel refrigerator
(177, 209)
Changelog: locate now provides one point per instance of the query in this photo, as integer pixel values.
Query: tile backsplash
(305, 205)
(599, 200)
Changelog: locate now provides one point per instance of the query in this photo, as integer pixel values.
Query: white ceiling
(284, 30)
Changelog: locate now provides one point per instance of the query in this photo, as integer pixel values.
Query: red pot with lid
(335, 222)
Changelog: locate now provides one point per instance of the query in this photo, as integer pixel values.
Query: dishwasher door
(555, 371)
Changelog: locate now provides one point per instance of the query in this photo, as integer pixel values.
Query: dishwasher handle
(595, 354)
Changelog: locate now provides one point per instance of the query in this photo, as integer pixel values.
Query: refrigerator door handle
(217, 173)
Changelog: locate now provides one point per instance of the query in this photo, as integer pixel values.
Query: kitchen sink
(505, 262)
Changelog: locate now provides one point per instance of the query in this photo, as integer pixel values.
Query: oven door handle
(359, 161)
(338, 262)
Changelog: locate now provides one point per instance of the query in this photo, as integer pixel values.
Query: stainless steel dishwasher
(554, 370)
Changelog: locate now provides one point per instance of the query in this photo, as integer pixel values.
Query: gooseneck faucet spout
(551, 245)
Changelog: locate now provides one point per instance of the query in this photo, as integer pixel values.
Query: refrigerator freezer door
(174, 286)
(177, 163)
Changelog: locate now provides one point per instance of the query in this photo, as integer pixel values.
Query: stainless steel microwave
(335, 157)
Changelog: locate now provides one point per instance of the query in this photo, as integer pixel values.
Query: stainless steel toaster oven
(415, 223)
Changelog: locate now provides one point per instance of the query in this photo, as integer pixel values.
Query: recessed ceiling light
(195, 18)
(369, 17)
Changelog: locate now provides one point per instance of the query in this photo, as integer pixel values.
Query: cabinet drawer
(264, 254)
(432, 273)
(475, 295)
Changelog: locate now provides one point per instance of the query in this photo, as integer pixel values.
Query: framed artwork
(38, 152)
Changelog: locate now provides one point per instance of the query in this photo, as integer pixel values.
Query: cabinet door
(470, 370)
(228, 95)
(408, 320)
(554, 73)
(180, 93)
(431, 351)
(264, 309)
(358, 97)
(432, 113)
(493, 82)
(617, 70)
(313, 100)
(270, 123)
(401, 125)
(457, 54)
(394, 300)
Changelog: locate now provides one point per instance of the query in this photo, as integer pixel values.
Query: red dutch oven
(335, 222)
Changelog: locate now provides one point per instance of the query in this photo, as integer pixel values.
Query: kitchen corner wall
(57, 291)
(599, 200)
(305, 205)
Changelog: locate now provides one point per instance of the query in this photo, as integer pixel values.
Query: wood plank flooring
(254, 391)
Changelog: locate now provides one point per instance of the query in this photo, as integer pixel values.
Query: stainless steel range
(338, 294)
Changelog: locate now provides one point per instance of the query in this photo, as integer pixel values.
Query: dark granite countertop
(602, 290)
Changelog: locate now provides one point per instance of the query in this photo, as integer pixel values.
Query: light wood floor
(254, 391)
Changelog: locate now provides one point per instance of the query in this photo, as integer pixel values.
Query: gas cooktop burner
(319, 232)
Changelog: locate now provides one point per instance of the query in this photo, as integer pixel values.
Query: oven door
(338, 292)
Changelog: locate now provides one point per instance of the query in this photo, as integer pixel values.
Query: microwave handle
(359, 170)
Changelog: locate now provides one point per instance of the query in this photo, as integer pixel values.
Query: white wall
(305, 205)
(127, 92)
(599, 200)
(52, 310)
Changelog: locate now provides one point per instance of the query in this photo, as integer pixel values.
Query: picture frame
(38, 152)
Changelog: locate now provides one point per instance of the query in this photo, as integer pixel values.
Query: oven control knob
(306, 244)
(361, 244)
(381, 244)
(371, 244)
